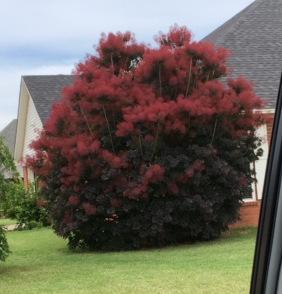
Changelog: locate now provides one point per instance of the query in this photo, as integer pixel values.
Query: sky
(51, 36)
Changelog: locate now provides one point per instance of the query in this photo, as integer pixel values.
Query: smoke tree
(148, 147)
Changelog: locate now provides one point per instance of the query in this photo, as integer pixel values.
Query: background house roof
(9, 134)
(45, 90)
(254, 36)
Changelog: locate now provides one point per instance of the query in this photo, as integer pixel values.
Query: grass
(41, 263)
(7, 221)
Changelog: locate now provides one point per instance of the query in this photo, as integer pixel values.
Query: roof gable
(9, 134)
(254, 36)
(45, 90)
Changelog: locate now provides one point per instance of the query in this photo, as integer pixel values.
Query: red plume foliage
(148, 147)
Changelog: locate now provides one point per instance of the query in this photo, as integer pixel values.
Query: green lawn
(41, 263)
(7, 221)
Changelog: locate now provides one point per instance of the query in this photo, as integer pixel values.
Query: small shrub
(4, 247)
(8, 176)
(14, 197)
(31, 211)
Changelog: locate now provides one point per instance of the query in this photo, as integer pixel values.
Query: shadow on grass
(14, 269)
(239, 233)
(231, 235)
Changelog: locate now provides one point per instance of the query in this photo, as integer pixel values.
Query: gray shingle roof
(45, 90)
(9, 134)
(254, 36)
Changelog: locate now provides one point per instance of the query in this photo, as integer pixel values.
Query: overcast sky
(50, 37)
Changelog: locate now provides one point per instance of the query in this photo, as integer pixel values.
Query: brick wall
(249, 215)
(269, 127)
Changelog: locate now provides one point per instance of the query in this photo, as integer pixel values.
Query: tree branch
(155, 143)
(86, 120)
(108, 125)
(189, 78)
(214, 128)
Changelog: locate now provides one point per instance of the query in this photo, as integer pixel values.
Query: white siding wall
(19, 169)
(260, 166)
(33, 125)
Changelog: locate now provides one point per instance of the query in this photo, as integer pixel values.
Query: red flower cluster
(74, 200)
(89, 209)
(153, 174)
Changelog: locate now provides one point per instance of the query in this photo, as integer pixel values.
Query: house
(37, 94)
(254, 36)
(9, 135)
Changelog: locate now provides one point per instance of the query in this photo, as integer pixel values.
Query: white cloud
(49, 37)
(56, 22)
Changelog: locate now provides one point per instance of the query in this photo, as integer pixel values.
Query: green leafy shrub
(31, 211)
(8, 174)
(13, 199)
(4, 247)
(25, 206)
